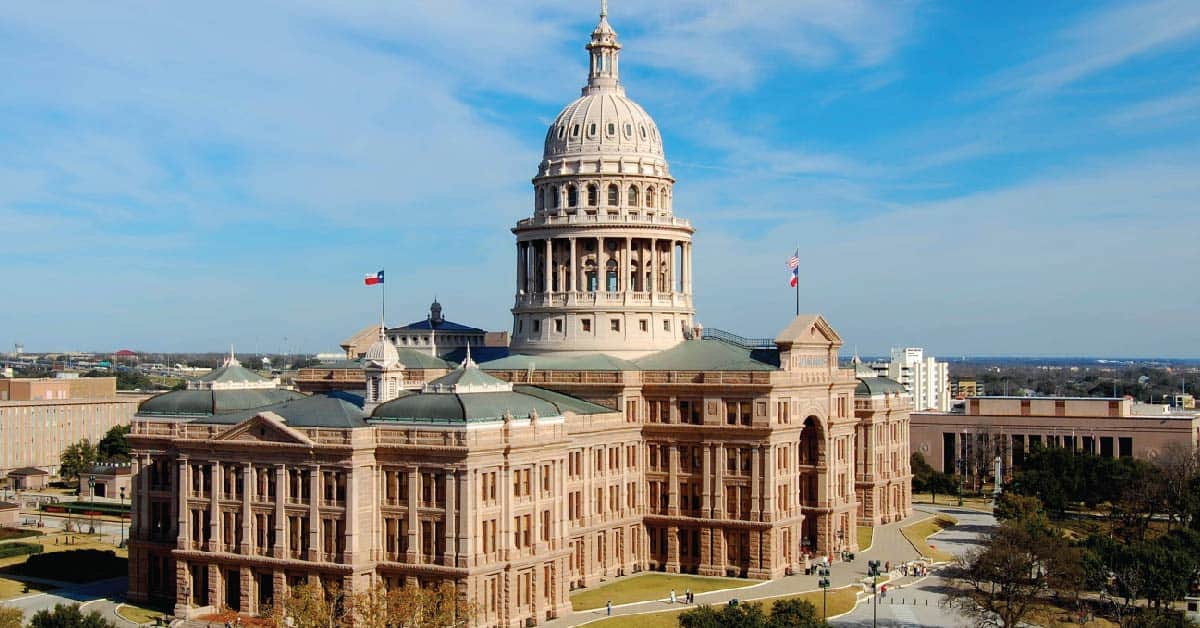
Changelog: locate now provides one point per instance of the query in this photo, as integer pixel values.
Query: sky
(1006, 178)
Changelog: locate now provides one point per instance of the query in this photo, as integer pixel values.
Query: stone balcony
(591, 299)
(600, 218)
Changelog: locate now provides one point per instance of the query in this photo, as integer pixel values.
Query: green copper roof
(312, 411)
(592, 362)
(466, 377)
(192, 403)
(233, 373)
(709, 355)
(414, 359)
(432, 407)
(871, 386)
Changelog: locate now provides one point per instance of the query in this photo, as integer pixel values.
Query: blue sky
(975, 178)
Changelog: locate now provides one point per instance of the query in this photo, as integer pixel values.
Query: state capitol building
(615, 437)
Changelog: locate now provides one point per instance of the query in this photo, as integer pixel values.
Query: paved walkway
(888, 545)
(919, 601)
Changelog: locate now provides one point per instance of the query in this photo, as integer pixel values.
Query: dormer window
(592, 130)
(628, 130)
(575, 131)
(612, 129)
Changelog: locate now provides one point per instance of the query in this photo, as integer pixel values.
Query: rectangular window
(558, 325)
(615, 324)
(1106, 447)
(667, 325)
(537, 326)
(1125, 446)
(644, 325)
(587, 325)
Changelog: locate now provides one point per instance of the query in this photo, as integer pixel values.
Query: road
(918, 604)
(94, 596)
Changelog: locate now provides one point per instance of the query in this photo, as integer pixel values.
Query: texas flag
(793, 265)
(372, 280)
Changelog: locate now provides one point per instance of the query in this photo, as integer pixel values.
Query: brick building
(617, 437)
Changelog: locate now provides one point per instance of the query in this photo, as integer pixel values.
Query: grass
(983, 504)
(651, 586)
(918, 534)
(141, 615)
(17, 533)
(1052, 616)
(840, 601)
(15, 588)
(865, 535)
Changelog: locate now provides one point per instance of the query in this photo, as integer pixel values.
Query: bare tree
(998, 584)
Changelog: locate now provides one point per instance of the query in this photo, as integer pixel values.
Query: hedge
(17, 533)
(8, 550)
(74, 565)
(87, 508)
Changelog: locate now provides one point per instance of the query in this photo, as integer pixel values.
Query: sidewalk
(888, 545)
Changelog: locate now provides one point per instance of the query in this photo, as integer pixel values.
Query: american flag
(794, 266)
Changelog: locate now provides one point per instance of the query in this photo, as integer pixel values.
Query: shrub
(17, 533)
(19, 549)
(75, 565)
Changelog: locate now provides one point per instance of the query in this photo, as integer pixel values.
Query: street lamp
(873, 571)
(92, 510)
(122, 515)
(824, 584)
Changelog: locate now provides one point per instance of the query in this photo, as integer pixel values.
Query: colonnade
(604, 264)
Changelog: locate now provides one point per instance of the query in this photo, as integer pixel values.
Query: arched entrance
(812, 470)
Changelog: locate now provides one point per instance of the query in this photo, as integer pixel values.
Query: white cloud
(1102, 40)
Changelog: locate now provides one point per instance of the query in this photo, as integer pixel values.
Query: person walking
(672, 596)
(608, 607)
(687, 596)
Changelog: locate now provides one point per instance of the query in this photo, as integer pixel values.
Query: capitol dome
(603, 122)
(383, 352)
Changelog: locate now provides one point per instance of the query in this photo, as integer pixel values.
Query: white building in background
(922, 376)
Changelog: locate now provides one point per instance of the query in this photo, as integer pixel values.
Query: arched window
(589, 271)
(593, 195)
(572, 196)
(554, 197)
(650, 197)
(610, 279)
(539, 198)
(633, 196)
(614, 195)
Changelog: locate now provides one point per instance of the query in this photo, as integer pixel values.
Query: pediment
(265, 427)
(810, 329)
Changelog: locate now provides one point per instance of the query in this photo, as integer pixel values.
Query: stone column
(466, 522)
(574, 269)
(450, 528)
(353, 534)
(183, 514)
(247, 531)
(673, 480)
(314, 513)
(769, 488)
(706, 488)
(755, 513)
(719, 484)
(627, 268)
(549, 256)
(520, 268)
(214, 508)
(414, 521)
(281, 535)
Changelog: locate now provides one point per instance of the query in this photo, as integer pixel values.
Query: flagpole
(797, 283)
(383, 304)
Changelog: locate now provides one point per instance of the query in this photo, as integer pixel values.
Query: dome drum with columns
(603, 265)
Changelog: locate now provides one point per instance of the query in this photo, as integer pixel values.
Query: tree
(115, 444)
(11, 617)
(429, 606)
(310, 605)
(926, 478)
(787, 613)
(69, 616)
(1011, 506)
(999, 583)
(1179, 472)
(76, 460)
(795, 613)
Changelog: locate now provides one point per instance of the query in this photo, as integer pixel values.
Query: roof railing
(736, 340)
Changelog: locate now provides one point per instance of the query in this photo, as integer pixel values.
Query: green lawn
(865, 535)
(840, 601)
(141, 615)
(918, 534)
(651, 586)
